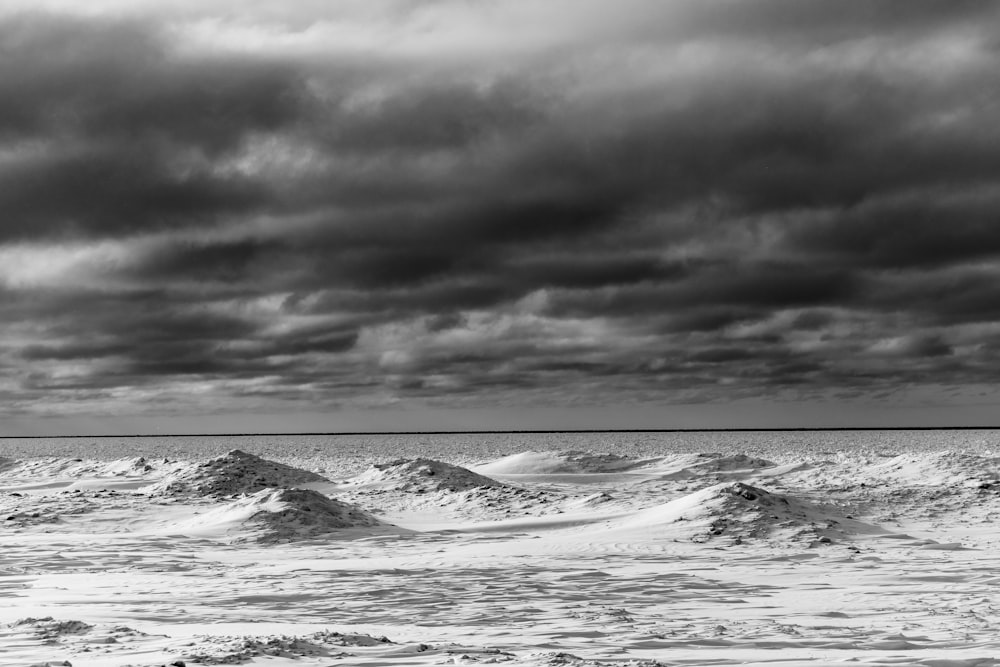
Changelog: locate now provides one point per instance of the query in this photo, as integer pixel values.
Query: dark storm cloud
(435, 297)
(949, 296)
(433, 116)
(114, 192)
(720, 197)
(223, 261)
(754, 287)
(596, 270)
(148, 332)
(116, 135)
(73, 351)
(923, 229)
(117, 81)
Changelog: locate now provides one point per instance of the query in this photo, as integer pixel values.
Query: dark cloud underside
(690, 201)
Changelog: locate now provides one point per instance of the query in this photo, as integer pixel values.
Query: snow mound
(423, 475)
(275, 515)
(234, 473)
(47, 467)
(719, 463)
(64, 636)
(741, 511)
(289, 514)
(227, 650)
(48, 628)
(708, 465)
(790, 469)
(128, 467)
(75, 468)
(598, 499)
(939, 469)
(556, 463)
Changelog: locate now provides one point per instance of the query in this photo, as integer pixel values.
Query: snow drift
(275, 515)
(741, 511)
(234, 473)
(559, 463)
(422, 475)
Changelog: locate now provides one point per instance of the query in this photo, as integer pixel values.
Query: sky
(474, 214)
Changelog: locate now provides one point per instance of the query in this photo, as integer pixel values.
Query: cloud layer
(225, 207)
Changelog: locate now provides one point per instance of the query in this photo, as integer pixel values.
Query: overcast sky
(524, 213)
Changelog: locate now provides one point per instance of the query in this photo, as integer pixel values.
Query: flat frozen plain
(881, 555)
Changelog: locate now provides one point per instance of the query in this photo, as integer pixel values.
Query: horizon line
(522, 431)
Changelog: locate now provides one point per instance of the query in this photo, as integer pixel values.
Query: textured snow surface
(545, 557)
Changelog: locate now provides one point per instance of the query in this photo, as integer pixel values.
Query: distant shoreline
(520, 432)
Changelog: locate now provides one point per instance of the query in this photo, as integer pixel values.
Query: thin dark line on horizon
(519, 432)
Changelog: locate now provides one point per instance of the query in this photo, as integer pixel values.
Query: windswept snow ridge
(234, 473)
(423, 475)
(405, 486)
(938, 469)
(720, 463)
(274, 515)
(559, 463)
(742, 511)
(295, 514)
(56, 468)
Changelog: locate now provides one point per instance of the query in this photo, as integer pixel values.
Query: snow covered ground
(536, 558)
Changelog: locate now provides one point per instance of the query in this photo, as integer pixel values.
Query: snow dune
(233, 473)
(739, 511)
(422, 475)
(274, 515)
(565, 462)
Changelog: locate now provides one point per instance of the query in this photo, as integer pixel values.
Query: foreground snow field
(539, 558)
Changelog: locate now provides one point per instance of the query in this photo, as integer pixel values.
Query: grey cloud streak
(672, 202)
